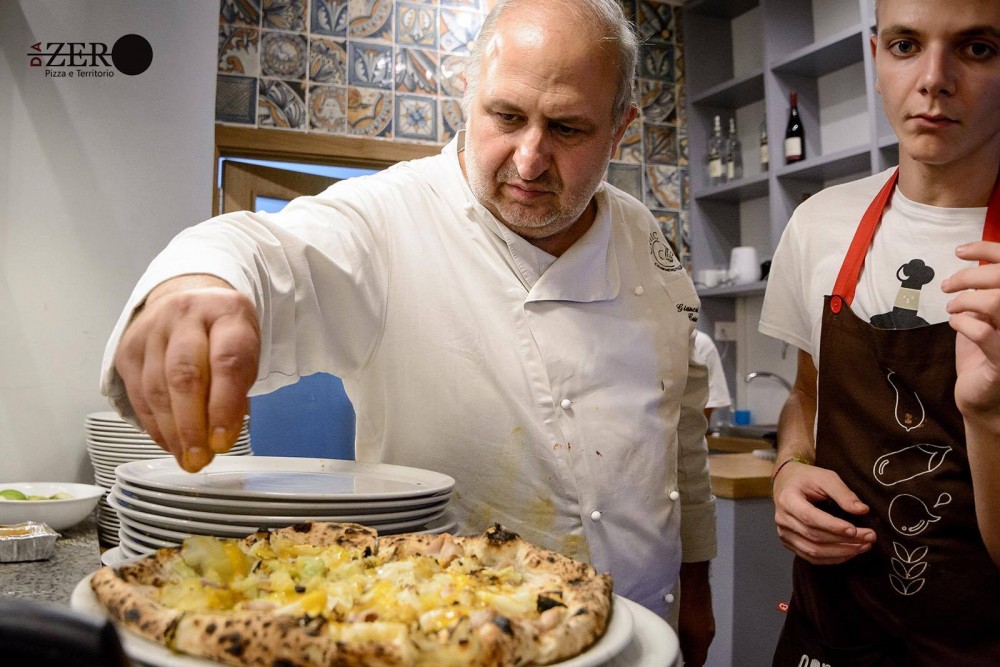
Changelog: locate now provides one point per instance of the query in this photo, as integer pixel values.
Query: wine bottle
(795, 138)
(734, 153)
(716, 148)
(765, 156)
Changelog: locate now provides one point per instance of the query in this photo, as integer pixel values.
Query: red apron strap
(991, 231)
(850, 270)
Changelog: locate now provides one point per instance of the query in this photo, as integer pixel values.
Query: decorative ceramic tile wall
(395, 69)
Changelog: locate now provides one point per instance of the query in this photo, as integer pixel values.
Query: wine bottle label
(715, 168)
(730, 170)
(764, 156)
(793, 148)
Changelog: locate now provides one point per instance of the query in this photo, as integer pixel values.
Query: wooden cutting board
(740, 475)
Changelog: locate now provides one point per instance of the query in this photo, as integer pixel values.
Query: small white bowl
(58, 514)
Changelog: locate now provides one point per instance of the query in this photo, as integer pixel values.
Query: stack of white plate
(112, 441)
(159, 504)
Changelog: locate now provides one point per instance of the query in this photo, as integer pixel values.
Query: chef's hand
(975, 314)
(806, 530)
(696, 620)
(188, 359)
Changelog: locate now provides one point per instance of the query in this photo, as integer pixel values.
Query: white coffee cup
(708, 278)
(744, 265)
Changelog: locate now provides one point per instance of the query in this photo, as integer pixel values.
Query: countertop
(77, 554)
(740, 475)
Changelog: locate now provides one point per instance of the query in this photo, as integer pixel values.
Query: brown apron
(927, 593)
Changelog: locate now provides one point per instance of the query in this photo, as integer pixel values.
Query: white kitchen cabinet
(742, 59)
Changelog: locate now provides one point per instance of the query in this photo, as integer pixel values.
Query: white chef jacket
(560, 393)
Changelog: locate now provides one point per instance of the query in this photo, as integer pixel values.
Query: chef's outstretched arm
(187, 360)
(975, 315)
(798, 485)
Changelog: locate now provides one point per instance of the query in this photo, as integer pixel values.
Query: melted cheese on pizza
(344, 586)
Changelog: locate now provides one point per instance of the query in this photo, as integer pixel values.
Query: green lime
(12, 494)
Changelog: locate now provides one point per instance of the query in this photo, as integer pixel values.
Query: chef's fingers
(187, 376)
(155, 393)
(234, 354)
(982, 276)
(129, 359)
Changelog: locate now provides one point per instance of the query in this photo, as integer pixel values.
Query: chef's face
(938, 68)
(539, 134)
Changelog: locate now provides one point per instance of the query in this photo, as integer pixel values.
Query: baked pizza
(338, 594)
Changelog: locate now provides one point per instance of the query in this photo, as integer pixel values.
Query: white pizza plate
(281, 477)
(623, 634)
(357, 515)
(246, 506)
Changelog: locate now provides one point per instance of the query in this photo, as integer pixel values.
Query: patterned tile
(656, 99)
(678, 26)
(656, 62)
(685, 189)
(369, 112)
(458, 29)
(328, 109)
(663, 186)
(681, 104)
(660, 143)
(416, 117)
(452, 75)
(371, 19)
(655, 21)
(235, 99)
(239, 50)
(630, 148)
(285, 14)
(328, 60)
(416, 24)
(283, 55)
(281, 104)
(682, 145)
(626, 177)
(240, 12)
(678, 66)
(465, 4)
(328, 17)
(416, 72)
(370, 65)
(452, 119)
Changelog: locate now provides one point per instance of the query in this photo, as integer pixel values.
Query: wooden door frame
(309, 147)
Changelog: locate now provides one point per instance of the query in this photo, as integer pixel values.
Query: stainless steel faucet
(753, 375)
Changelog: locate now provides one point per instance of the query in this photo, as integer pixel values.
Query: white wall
(96, 175)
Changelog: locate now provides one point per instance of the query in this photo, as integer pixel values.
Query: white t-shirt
(913, 251)
(718, 389)
(560, 393)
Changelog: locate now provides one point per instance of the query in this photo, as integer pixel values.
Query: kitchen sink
(754, 431)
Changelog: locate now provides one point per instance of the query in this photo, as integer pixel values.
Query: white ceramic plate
(277, 477)
(283, 506)
(616, 638)
(357, 515)
(251, 523)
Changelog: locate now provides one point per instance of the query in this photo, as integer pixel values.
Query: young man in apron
(886, 481)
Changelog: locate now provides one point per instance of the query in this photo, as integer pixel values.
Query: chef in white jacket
(497, 313)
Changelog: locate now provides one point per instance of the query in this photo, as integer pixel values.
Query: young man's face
(938, 67)
(540, 133)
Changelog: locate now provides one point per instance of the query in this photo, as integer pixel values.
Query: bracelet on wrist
(777, 469)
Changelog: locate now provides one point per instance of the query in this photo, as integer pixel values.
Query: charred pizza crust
(540, 606)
